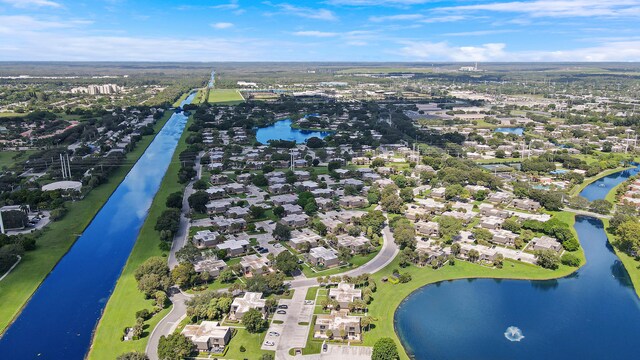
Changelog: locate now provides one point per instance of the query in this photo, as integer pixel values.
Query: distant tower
(476, 67)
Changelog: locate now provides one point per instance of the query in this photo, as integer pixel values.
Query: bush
(242, 349)
(143, 314)
(570, 260)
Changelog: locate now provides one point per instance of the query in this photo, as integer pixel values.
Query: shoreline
(125, 299)
(68, 243)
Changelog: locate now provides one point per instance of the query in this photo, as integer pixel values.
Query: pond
(510, 130)
(592, 314)
(58, 321)
(282, 130)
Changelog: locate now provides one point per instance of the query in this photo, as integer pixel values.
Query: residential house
(254, 264)
(212, 266)
(339, 322)
(544, 243)
(345, 294)
(323, 257)
(234, 247)
(208, 336)
(250, 300)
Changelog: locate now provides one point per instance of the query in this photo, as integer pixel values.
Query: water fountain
(513, 333)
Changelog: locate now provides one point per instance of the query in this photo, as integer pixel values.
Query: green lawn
(225, 97)
(57, 238)
(251, 343)
(311, 293)
(9, 158)
(126, 299)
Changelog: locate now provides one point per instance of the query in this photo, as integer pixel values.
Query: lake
(591, 314)
(58, 321)
(510, 130)
(282, 130)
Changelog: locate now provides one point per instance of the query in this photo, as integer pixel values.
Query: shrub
(570, 260)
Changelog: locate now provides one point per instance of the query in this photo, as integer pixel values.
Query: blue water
(58, 321)
(510, 130)
(591, 314)
(282, 130)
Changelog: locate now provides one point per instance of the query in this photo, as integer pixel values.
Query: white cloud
(397, 17)
(314, 33)
(418, 17)
(31, 3)
(377, 2)
(558, 8)
(222, 25)
(233, 5)
(310, 13)
(16, 24)
(478, 33)
(616, 50)
(443, 51)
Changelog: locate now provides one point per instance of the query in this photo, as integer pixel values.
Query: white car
(273, 333)
(269, 343)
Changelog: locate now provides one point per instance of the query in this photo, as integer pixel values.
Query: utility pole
(68, 166)
(62, 168)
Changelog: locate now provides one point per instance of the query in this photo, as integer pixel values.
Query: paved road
(169, 323)
(181, 236)
(383, 258)
(587, 213)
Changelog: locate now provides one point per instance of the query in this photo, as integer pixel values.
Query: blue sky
(328, 30)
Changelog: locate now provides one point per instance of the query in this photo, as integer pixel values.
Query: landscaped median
(126, 299)
(57, 237)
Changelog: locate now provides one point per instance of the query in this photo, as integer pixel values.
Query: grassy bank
(577, 189)
(126, 298)
(225, 97)
(57, 238)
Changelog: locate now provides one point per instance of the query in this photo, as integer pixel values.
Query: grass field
(7, 157)
(219, 97)
(126, 298)
(225, 97)
(58, 237)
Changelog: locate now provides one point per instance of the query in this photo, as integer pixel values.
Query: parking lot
(292, 335)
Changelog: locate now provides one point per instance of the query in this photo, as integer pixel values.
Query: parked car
(269, 343)
(282, 312)
(283, 306)
(274, 333)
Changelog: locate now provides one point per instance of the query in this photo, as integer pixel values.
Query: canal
(591, 314)
(58, 321)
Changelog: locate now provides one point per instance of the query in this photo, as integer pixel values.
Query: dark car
(281, 312)
(283, 306)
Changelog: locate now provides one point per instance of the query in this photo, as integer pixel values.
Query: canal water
(58, 321)
(591, 314)
(282, 130)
